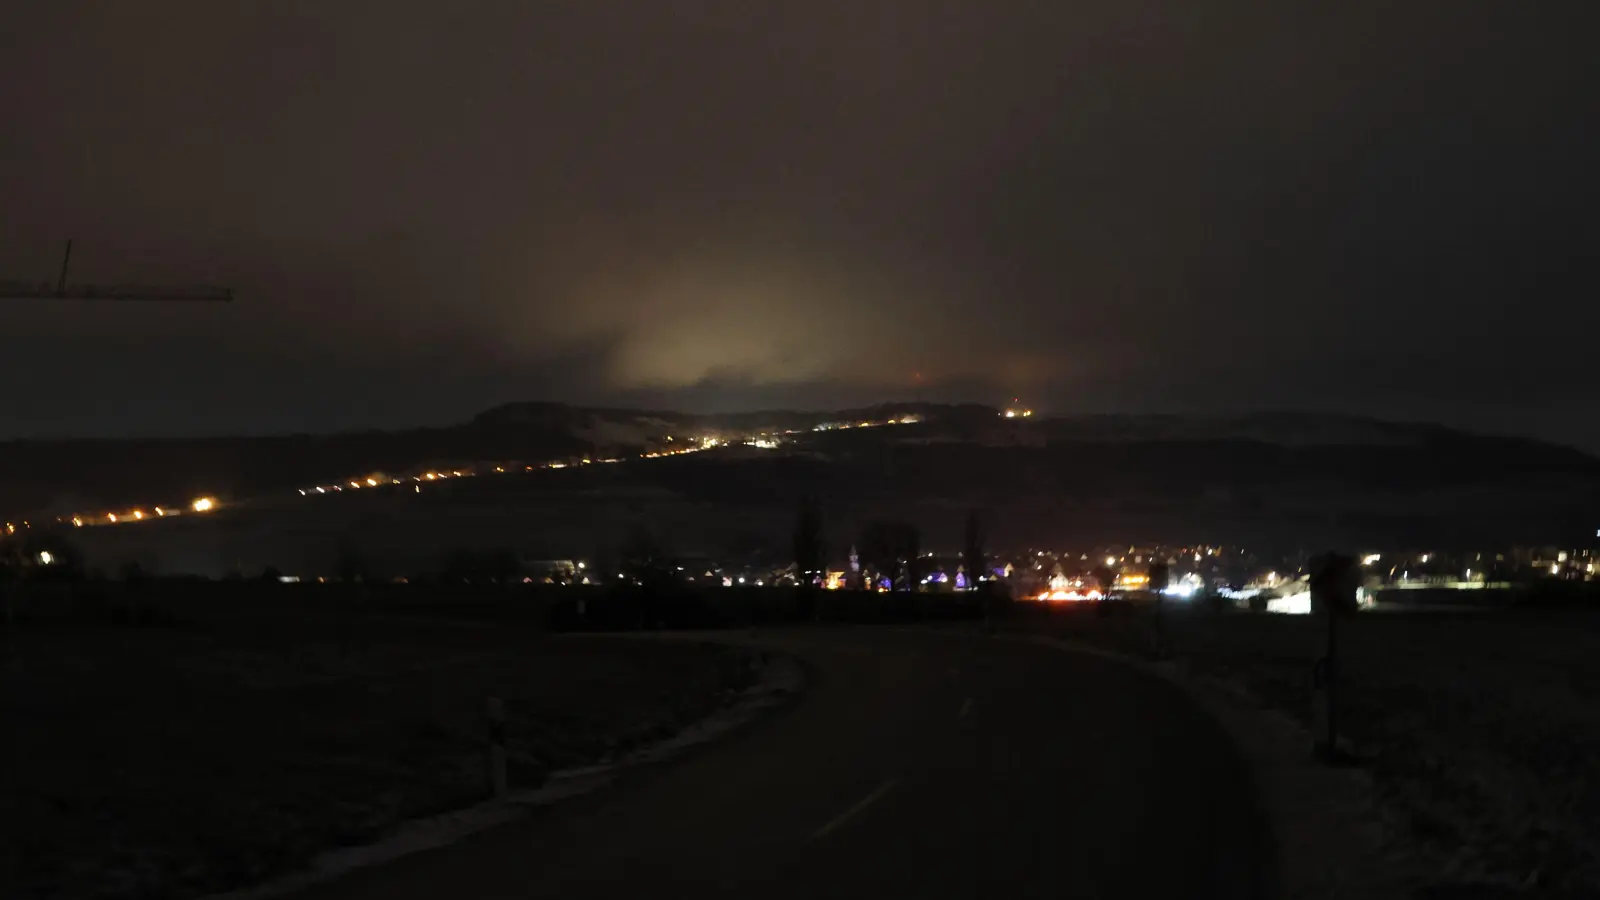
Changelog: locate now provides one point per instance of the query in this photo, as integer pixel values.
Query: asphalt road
(917, 764)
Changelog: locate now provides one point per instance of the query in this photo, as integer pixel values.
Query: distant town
(1185, 573)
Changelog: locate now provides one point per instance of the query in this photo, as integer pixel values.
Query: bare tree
(642, 558)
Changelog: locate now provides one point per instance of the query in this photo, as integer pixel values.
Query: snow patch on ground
(779, 678)
(1329, 833)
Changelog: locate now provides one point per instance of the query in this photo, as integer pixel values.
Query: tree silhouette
(132, 572)
(877, 550)
(501, 565)
(809, 552)
(892, 549)
(642, 560)
(1334, 579)
(911, 547)
(1160, 576)
(458, 565)
(973, 559)
(497, 566)
(351, 566)
(1106, 576)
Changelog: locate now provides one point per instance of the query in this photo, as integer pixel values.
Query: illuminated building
(1063, 588)
(1132, 581)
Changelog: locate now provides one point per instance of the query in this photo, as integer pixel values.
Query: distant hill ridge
(59, 476)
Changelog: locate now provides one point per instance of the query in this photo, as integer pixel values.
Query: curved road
(917, 763)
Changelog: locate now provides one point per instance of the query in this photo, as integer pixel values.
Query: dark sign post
(496, 710)
(1159, 576)
(1333, 590)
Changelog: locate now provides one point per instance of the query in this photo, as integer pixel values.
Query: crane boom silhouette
(22, 290)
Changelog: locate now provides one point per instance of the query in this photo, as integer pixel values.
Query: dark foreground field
(210, 747)
(174, 740)
(1484, 727)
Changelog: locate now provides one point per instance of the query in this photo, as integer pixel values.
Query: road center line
(865, 802)
(965, 708)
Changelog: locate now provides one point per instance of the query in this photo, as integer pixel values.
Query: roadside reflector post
(497, 748)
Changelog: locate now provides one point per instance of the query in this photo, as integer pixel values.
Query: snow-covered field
(177, 760)
(1484, 727)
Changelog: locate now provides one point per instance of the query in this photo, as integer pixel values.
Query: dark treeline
(558, 608)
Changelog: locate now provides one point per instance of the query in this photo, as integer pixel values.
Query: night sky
(1104, 206)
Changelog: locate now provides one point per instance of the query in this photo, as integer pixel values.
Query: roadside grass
(209, 753)
(1484, 727)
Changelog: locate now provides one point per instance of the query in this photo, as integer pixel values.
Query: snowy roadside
(1481, 729)
(1325, 821)
(777, 679)
(201, 755)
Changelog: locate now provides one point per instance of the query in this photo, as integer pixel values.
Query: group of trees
(643, 561)
(496, 566)
(890, 549)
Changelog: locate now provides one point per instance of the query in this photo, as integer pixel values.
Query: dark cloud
(1105, 206)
